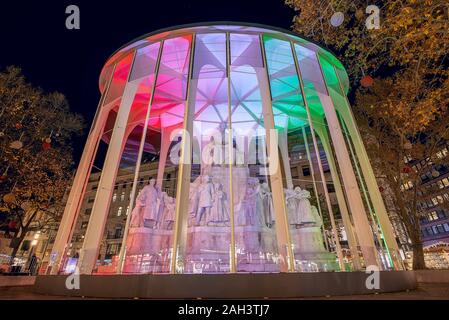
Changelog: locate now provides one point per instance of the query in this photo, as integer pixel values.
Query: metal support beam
(184, 173)
(232, 254)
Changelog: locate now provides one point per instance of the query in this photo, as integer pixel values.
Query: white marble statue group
(209, 206)
(300, 211)
(154, 209)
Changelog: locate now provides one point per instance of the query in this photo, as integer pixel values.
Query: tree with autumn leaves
(400, 88)
(36, 162)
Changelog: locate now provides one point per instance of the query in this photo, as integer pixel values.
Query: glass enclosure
(221, 150)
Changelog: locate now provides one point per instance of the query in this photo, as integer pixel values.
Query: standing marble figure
(304, 209)
(146, 210)
(219, 212)
(205, 199)
(265, 207)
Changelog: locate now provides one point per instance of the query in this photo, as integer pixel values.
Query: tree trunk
(16, 249)
(418, 257)
(414, 233)
(417, 245)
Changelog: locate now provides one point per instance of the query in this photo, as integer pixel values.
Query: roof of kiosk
(211, 101)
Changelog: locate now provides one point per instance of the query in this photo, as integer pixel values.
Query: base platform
(226, 286)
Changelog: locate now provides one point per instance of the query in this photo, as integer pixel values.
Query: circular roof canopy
(280, 47)
(220, 26)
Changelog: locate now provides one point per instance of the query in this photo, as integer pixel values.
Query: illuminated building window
(433, 216)
(119, 211)
(442, 153)
(407, 185)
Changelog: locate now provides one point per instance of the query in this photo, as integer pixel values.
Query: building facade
(435, 222)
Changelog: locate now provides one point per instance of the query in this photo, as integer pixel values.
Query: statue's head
(252, 182)
(298, 189)
(151, 182)
(265, 185)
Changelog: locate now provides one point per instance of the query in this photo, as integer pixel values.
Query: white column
(349, 228)
(287, 263)
(371, 184)
(79, 184)
(100, 209)
(355, 202)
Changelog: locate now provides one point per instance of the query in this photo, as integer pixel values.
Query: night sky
(34, 37)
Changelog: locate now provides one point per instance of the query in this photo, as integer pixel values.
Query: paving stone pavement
(425, 291)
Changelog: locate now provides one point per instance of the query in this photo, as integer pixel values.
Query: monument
(234, 100)
(209, 224)
(228, 101)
